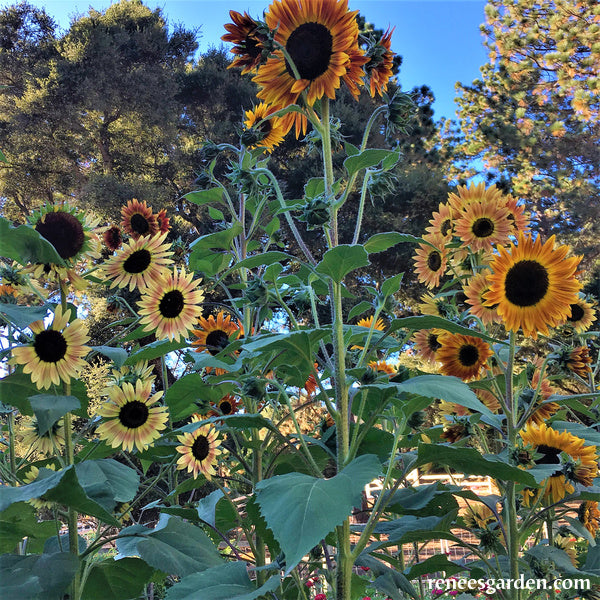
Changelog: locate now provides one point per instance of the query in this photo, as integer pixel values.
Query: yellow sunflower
(381, 366)
(463, 356)
(533, 285)
(578, 361)
(368, 323)
(582, 315)
(427, 343)
(131, 373)
(430, 263)
(567, 545)
(248, 40)
(214, 334)
(131, 419)
(199, 450)
(481, 225)
(139, 263)
(138, 220)
(473, 194)
(46, 443)
(589, 516)
(543, 410)
(379, 66)
(8, 294)
(171, 305)
(272, 130)
(317, 37)
(474, 290)
(442, 223)
(568, 452)
(478, 516)
(56, 352)
(30, 477)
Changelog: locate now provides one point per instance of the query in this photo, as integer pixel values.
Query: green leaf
(173, 546)
(217, 512)
(350, 149)
(438, 563)
(313, 506)
(411, 528)
(392, 285)
(365, 159)
(225, 582)
(380, 242)
(155, 350)
(339, 261)
(116, 579)
(117, 355)
(25, 245)
(107, 481)
(23, 316)
(215, 214)
(266, 258)
(387, 580)
(20, 520)
(49, 409)
(15, 390)
(36, 576)
(591, 436)
(472, 462)
(3, 157)
(186, 395)
(359, 309)
(220, 240)
(202, 197)
(209, 262)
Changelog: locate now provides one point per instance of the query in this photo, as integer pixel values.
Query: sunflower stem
(328, 168)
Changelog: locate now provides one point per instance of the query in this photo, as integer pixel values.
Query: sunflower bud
(416, 420)
(301, 299)
(209, 151)
(251, 136)
(400, 111)
(203, 180)
(381, 184)
(369, 376)
(257, 293)
(254, 388)
(316, 212)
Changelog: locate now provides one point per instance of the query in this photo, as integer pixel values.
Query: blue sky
(439, 40)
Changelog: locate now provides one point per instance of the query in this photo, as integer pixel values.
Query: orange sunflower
(516, 215)
(56, 351)
(473, 194)
(132, 420)
(248, 40)
(427, 343)
(533, 285)
(474, 290)
(582, 315)
(227, 405)
(112, 238)
(379, 66)
(138, 220)
(199, 450)
(170, 305)
(589, 516)
(481, 225)
(430, 262)
(578, 361)
(272, 130)
(139, 263)
(442, 223)
(543, 410)
(317, 37)
(214, 334)
(463, 356)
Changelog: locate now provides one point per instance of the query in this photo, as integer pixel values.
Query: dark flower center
(216, 340)
(64, 231)
(139, 224)
(468, 355)
(251, 46)
(446, 227)
(577, 313)
(483, 227)
(225, 407)
(432, 342)
(526, 283)
(434, 260)
(134, 414)
(50, 345)
(138, 261)
(200, 448)
(171, 304)
(310, 46)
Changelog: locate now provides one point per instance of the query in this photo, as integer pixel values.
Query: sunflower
(138, 220)
(164, 223)
(214, 334)
(8, 294)
(272, 131)
(427, 343)
(30, 477)
(474, 194)
(442, 223)
(463, 356)
(199, 450)
(132, 373)
(112, 238)
(456, 431)
(589, 516)
(368, 323)
(478, 516)
(582, 315)
(474, 290)
(533, 285)
(132, 421)
(516, 215)
(578, 361)
(567, 545)
(46, 443)
(380, 64)
(543, 410)
(56, 351)
(245, 33)
(57, 274)
(354, 71)
(489, 399)
(552, 445)
(317, 37)
(227, 405)
(140, 262)
(481, 225)
(311, 383)
(170, 305)
(430, 262)
(381, 366)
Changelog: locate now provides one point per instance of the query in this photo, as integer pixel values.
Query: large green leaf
(173, 546)
(367, 158)
(313, 506)
(155, 350)
(49, 409)
(339, 261)
(438, 563)
(23, 316)
(190, 393)
(117, 355)
(36, 576)
(19, 520)
(388, 581)
(107, 481)
(116, 579)
(383, 241)
(25, 245)
(15, 390)
(220, 240)
(205, 196)
(225, 582)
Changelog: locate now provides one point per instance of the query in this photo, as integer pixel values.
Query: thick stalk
(328, 169)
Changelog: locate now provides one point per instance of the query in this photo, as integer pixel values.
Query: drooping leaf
(339, 261)
(20, 520)
(365, 159)
(116, 579)
(438, 563)
(202, 197)
(107, 481)
(49, 409)
(380, 242)
(229, 581)
(314, 506)
(23, 316)
(15, 390)
(220, 240)
(25, 245)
